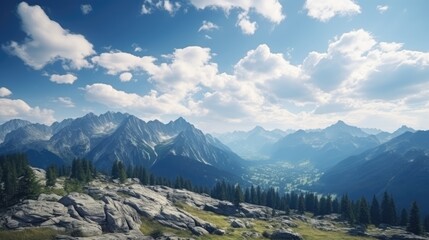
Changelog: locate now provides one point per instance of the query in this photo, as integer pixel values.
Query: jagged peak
(17, 121)
(340, 123)
(258, 129)
(180, 120)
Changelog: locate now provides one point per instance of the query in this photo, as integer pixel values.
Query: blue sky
(223, 65)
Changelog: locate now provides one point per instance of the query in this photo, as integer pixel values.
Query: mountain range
(399, 166)
(175, 148)
(254, 144)
(322, 148)
(354, 160)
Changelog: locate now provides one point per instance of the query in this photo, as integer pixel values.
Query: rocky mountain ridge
(109, 137)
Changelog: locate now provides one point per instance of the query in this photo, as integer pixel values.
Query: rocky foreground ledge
(114, 211)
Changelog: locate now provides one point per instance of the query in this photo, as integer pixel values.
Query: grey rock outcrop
(120, 217)
(49, 197)
(32, 212)
(284, 234)
(199, 231)
(86, 206)
(236, 223)
(75, 227)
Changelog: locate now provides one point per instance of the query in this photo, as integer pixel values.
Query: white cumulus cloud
(48, 42)
(117, 62)
(66, 102)
(4, 92)
(63, 79)
(86, 8)
(247, 27)
(324, 10)
(208, 26)
(269, 9)
(382, 8)
(17, 108)
(125, 77)
(357, 78)
(170, 6)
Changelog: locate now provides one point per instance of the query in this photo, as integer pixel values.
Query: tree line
(17, 180)
(355, 212)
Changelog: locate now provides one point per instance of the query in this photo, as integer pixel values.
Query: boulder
(86, 206)
(357, 231)
(131, 235)
(284, 234)
(73, 213)
(145, 194)
(172, 217)
(76, 227)
(323, 225)
(32, 212)
(120, 217)
(210, 227)
(236, 223)
(289, 223)
(147, 202)
(49, 197)
(219, 232)
(251, 235)
(199, 231)
(222, 208)
(11, 223)
(185, 196)
(255, 211)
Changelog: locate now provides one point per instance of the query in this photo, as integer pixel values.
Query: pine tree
(414, 220)
(115, 170)
(10, 180)
(309, 202)
(294, 200)
(388, 210)
(335, 206)
(426, 224)
(404, 218)
(392, 207)
(301, 204)
(347, 209)
(375, 211)
(253, 195)
(238, 196)
(328, 208)
(151, 179)
(322, 206)
(258, 195)
(122, 173)
(51, 176)
(28, 185)
(364, 215)
(247, 196)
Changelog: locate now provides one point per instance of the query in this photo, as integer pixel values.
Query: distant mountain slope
(10, 126)
(399, 166)
(116, 136)
(385, 136)
(323, 148)
(254, 144)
